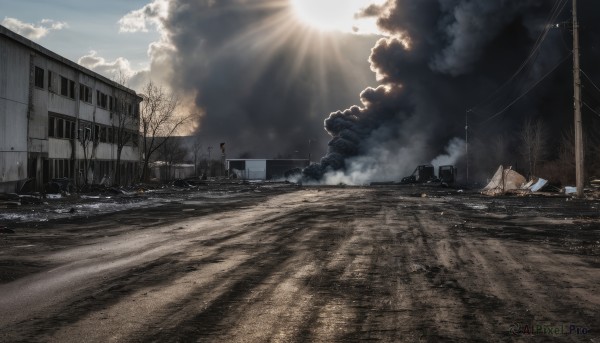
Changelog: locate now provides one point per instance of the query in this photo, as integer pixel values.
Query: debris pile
(508, 181)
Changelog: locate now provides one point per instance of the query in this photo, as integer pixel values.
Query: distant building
(50, 109)
(257, 169)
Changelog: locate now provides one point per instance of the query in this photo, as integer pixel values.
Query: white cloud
(139, 20)
(119, 70)
(33, 31)
(55, 25)
(110, 69)
(160, 52)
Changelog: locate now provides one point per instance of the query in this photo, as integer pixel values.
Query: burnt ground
(392, 264)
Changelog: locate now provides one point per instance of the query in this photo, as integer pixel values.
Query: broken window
(51, 127)
(85, 93)
(64, 86)
(60, 128)
(39, 77)
(72, 89)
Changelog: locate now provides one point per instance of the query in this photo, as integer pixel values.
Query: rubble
(508, 181)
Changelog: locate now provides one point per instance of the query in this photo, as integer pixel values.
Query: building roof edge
(50, 54)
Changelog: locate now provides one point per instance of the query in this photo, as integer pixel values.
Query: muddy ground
(302, 264)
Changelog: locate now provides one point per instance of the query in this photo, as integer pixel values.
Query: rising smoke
(261, 80)
(440, 59)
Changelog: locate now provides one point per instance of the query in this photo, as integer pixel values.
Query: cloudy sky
(390, 80)
(264, 73)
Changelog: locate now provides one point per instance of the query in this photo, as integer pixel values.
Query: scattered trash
(570, 190)
(541, 183)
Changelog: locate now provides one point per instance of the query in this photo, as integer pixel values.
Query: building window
(67, 87)
(103, 134)
(64, 86)
(101, 100)
(85, 131)
(72, 89)
(51, 127)
(68, 129)
(60, 168)
(39, 77)
(88, 94)
(50, 88)
(60, 128)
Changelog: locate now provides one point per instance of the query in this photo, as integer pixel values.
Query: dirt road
(310, 265)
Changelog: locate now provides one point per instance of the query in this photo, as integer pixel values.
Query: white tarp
(505, 179)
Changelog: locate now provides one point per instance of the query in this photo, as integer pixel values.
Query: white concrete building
(50, 109)
(263, 169)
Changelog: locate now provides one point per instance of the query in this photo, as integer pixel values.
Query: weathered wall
(26, 150)
(14, 95)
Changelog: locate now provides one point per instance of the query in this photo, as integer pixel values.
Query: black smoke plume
(445, 57)
(261, 81)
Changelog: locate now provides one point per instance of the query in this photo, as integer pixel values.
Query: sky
(87, 26)
(278, 37)
(374, 87)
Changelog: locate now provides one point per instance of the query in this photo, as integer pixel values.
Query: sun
(335, 15)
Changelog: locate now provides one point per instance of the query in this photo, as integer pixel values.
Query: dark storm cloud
(263, 85)
(460, 52)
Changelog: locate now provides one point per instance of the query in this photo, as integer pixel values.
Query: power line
(591, 109)
(526, 92)
(558, 7)
(589, 79)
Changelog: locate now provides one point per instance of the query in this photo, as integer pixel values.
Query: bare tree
(159, 120)
(88, 145)
(534, 138)
(125, 123)
(171, 153)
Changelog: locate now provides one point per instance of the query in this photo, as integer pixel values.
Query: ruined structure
(60, 120)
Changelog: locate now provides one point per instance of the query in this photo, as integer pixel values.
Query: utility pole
(467, 142)
(579, 162)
